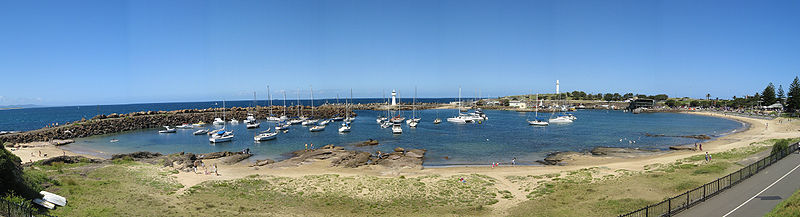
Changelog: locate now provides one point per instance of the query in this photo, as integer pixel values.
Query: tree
(768, 95)
(781, 95)
(671, 103)
(793, 100)
(608, 97)
(627, 95)
(661, 97)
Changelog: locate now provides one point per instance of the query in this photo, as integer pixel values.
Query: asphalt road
(756, 195)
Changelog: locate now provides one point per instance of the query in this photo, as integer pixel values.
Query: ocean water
(35, 118)
(504, 136)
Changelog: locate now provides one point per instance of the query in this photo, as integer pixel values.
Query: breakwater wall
(115, 123)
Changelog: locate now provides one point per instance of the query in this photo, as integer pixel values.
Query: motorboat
(317, 128)
(234, 121)
(250, 119)
(437, 121)
(218, 121)
(397, 128)
(274, 118)
(221, 136)
(184, 126)
(561, 119)
(253, 125)
(167, 130)
(200, 132)
(350, 119)
(337, 118)
(413, 124)
(113, 140)
(462, 118)
(386, 124)
(381, 119)
(266, 135)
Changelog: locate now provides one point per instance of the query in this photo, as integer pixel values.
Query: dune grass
(127, 188)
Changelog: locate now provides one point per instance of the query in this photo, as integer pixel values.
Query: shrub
(780, 145)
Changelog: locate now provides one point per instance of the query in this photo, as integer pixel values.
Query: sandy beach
(758, 130)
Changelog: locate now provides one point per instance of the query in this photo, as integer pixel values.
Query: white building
(519, 104)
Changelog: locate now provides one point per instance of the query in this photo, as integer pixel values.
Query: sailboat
(560, 118)
(251, 122)
(269, 97)
(461, 118)
(414, 120)
(283, 116)
(265, 135)
(536, 121)
(346, 125)
(349, 119)
(311, 121)
(221, 135)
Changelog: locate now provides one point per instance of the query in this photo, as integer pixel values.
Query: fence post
(669, 207)
(704, 191)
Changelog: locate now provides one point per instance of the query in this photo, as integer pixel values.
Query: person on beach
(215, 169)
(514, 161)
(695, 146)
(306, 147)
(708, 157)
(701, 146)
(312, 146)
(40, 153)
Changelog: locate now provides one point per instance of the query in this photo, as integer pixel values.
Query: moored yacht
(265, 135)
(221, 136)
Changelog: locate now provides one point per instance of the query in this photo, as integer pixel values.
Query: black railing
(692, 197)
(11, 209)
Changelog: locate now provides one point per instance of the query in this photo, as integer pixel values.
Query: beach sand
(757, 132)
(35, 151)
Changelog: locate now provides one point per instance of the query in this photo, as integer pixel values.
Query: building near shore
(518, 104)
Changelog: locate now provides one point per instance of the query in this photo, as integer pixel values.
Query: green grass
(128, 188)
(788, 207)
(588, 193)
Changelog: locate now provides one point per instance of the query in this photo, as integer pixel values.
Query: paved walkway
(756, 195)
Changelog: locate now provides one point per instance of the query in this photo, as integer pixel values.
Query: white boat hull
(316, 128)
(265, 136)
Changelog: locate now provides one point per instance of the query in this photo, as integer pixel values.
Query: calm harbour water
(505, 135)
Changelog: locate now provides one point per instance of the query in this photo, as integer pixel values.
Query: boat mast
(414, 104)
(284, 102)
(269, 96)
(223, 115)
(312, 101)
(299, 112)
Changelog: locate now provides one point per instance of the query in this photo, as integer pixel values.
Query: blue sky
(109, 51)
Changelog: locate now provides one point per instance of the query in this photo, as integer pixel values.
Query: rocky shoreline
(558, 158)
(115, 123)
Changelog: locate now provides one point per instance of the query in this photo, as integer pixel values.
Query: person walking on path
(701, 146)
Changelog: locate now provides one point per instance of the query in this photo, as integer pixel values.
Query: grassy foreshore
(588, 185)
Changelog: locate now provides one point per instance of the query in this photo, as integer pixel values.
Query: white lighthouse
(557, 92)
(394, 97)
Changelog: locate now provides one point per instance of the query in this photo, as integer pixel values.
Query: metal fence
(11, 209)
(692, 197)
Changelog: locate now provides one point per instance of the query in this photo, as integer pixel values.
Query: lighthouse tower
(394, 97)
